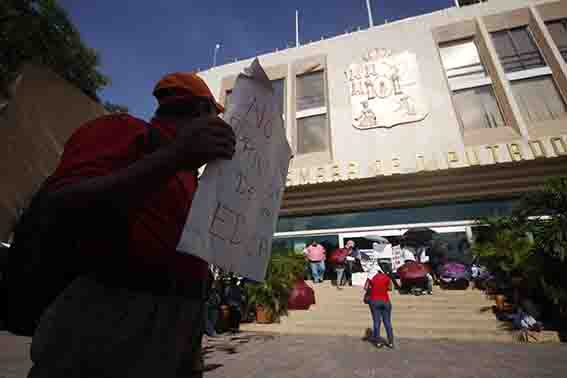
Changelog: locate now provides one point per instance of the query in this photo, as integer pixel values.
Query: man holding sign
(138, 310)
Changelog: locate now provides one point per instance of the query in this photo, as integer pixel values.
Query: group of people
(343, 260)
(380, 278)
(224, 291)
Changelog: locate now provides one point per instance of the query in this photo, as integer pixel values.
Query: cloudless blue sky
(140, 40)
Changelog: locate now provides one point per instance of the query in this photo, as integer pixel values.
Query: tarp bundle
(452, 272)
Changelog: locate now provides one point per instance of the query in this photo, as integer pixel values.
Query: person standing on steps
(350, 261)
(339, 259)
(380, 307)
(315, 255)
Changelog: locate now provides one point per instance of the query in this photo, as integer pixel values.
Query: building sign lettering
(471, 156)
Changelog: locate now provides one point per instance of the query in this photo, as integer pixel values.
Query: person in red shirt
(139, 311)
(339, 260)
(380, 306)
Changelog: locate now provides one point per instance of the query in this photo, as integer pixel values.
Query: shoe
(390, 346)
(379, 345)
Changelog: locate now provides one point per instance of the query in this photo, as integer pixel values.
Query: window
(517, 50)
(530, 77)
(312, 127)
(473, 96)
(477, 108)
(312, 134)
(279, 91)
(310, 91)
(227, 97)
(470, 2)
(538, 98)
(461, 60)
(298, 244)
(558, 31)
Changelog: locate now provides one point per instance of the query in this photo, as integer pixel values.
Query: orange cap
(186, 82)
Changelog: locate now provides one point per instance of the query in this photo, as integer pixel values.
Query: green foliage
(283, 270)
(549, 206)
(39, 31)
(115, 108)
(532, 243)
(507, 250)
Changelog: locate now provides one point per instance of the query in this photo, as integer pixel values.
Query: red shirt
(339, 256)
(380, 284)
(110, 143)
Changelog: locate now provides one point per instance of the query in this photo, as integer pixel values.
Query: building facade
(431, 121)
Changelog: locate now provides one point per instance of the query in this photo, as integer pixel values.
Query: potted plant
(270, 297)
(265, 300)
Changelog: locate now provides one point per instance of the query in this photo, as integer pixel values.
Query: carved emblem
(385, 90)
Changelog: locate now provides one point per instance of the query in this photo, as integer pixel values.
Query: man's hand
(203, 140)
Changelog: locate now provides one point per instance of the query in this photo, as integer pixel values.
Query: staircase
(447, 314)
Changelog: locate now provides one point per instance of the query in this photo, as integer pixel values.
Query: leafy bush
(283, 270)
(532, 243)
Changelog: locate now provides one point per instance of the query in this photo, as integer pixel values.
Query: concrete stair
(447, 314)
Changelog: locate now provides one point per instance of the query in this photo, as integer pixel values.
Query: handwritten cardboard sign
(397, 259)
(235, 210)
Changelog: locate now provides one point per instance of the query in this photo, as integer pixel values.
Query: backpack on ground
(45, 257)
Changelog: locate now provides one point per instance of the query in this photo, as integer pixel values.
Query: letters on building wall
(385, 90)
(549, 147)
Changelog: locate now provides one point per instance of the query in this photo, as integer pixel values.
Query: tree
(115, 108)
(39, 31)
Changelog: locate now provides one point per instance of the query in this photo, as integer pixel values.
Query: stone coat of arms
(385, 90)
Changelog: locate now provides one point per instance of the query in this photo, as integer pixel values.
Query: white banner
(235, 210)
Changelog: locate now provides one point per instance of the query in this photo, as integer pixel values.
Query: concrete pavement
(248, 355)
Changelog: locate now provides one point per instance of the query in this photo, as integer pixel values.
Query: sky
(139, 40)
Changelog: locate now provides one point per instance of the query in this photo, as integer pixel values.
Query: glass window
(279, 92)
(310, 90)
(227, 97)
(477, 108)
(381, 217)
(312, 134)
(452, 247)
(470, 2)
(461, 59)
(558, 31)
(473, 96)
(298, 244)
(517, 49)
(538, 98)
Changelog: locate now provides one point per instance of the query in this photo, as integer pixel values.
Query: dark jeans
(211, 320)
(235, 317)
(348, 271)
(381, 311)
